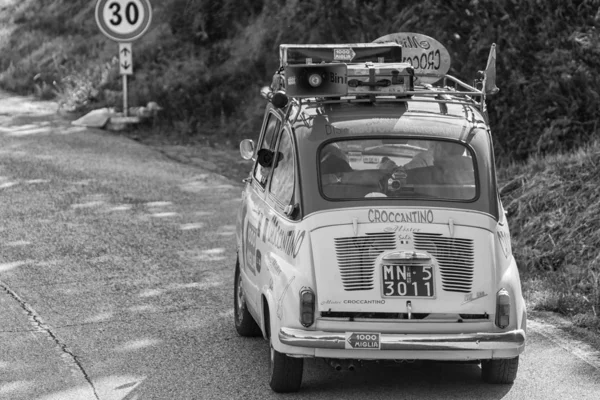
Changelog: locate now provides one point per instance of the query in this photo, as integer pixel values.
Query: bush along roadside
(553, 206)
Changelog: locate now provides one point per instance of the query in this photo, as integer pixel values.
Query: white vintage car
(370, 226)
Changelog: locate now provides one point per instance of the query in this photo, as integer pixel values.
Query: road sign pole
(125, 106)
(125, 68)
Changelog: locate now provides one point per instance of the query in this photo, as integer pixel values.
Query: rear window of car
(397, 168)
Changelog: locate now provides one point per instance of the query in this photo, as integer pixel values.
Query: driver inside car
(449, 165)
(452, 167)
(422, 159)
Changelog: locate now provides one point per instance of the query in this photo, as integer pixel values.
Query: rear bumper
(512, 341)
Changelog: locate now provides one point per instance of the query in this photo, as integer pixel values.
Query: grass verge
(553, 207)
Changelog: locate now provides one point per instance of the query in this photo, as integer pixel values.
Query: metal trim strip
(472, 341)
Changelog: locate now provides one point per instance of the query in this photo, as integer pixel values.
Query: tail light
(502, 309)
(307, 307)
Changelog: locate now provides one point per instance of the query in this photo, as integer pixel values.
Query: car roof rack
(394, 68)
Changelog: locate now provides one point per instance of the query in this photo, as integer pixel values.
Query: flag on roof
(489, 80)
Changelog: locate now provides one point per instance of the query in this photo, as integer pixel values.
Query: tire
(286, 372)
(245, 324)
(500, 370)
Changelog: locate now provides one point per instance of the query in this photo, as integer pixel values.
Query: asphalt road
(116, 270)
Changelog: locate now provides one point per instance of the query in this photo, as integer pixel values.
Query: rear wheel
(500, 370)
(286, 372)
(244, 323)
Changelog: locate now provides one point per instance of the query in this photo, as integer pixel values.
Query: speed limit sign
(123, 20)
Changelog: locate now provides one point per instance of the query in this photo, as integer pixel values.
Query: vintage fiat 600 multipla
(370, 226)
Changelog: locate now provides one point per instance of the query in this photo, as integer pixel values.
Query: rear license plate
(407, 280)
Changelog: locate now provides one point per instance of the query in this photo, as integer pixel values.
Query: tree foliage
(548, 59)
(205, 61)
(548, 55)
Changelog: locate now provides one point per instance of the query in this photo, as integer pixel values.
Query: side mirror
(247, 149)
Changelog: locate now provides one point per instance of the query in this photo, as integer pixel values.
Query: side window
(268, 142)
(282, 183)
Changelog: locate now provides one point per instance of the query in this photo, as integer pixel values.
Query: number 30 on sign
(123, 20)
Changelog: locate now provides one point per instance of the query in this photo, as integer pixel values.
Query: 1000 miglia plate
(407, 281)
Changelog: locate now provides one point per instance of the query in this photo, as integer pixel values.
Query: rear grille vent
(356, 258)
(455, 256)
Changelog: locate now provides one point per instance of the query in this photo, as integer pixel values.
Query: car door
(282, 212)
(255, 212)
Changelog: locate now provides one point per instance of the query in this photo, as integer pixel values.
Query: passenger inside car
(422, 159)
(339, 179)
(334, 160)
(449, 166)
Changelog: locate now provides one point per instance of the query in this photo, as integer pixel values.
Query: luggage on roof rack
(334, 80)
(393, 68)
(290, 54)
